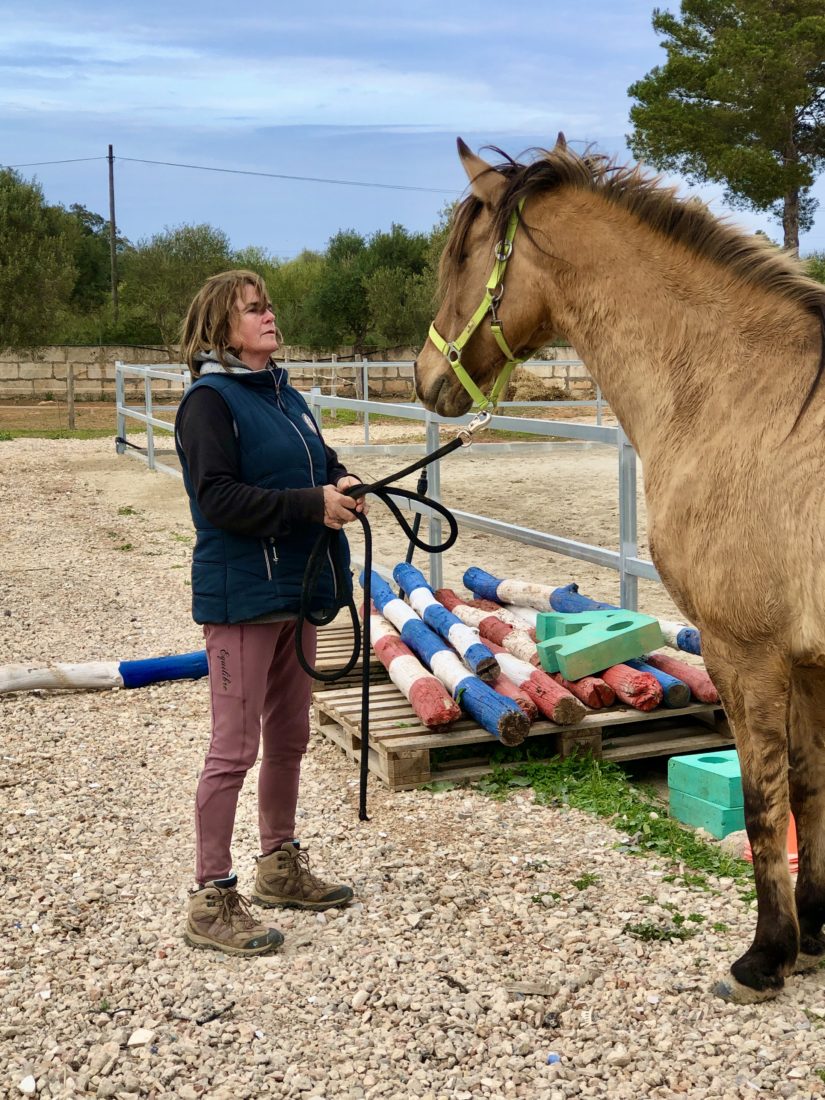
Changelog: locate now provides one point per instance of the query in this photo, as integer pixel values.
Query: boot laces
(234, 910)
(303, 872)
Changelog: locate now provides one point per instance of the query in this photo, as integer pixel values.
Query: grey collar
(208, 363)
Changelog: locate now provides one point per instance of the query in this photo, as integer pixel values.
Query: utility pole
(112, 232)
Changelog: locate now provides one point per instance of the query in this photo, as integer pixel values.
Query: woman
(261, 482)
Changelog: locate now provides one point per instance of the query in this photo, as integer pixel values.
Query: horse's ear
(561, 143)
(487, 184)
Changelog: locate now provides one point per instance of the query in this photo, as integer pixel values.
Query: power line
(304, 179)
(248, 172)
(38, 163)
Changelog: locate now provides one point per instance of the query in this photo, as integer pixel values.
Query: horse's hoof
(805, 963)
(732, 991)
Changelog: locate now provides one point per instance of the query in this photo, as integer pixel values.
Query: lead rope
(319, 556)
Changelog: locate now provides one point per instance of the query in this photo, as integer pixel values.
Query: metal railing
(174, 372)
(179, 372)
(625, 561)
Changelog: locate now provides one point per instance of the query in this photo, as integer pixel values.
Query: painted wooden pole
(426, 694)
(677, 635)
(566, 599)
(554, 701)
(495, 713)
(490, 627)
(591, 690)
(697, 679)
(464, 639)
(522, 593)
(675, 693)
(506, 614)
(637, 689)
(505, 686)
(96, 675)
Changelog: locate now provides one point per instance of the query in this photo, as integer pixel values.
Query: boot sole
(291, 903)
(210, 945)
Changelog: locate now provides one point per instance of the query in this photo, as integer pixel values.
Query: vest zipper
(311, 472)
(266, 560)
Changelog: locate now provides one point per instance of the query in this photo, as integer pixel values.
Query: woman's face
(253, 328)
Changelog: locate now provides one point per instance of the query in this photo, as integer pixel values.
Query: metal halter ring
(503, 251)
(453, 354)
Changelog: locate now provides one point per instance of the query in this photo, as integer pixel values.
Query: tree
(160, 276)
(337, 306)
(399, 308)
(37, 272)
(739, 101)
(291, 285)
(815, 264)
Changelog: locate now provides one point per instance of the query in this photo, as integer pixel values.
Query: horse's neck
(671, 338)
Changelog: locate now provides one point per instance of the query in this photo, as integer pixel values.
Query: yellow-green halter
(452, 349)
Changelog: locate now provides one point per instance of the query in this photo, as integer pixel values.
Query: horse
(709, 345)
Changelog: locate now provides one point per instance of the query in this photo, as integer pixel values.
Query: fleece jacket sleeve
(206, 435)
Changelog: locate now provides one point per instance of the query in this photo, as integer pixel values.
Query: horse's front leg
(755, 692)
(807, 786)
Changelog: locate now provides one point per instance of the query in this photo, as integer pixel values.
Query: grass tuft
(601, 788)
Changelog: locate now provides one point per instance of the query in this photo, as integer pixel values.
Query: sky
(362, 91)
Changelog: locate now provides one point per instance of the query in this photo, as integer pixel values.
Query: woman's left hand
(344, 483)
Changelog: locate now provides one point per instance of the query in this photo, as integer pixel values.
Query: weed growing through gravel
(650, 932)
(127, 510)
(602, 788)
(587, 879)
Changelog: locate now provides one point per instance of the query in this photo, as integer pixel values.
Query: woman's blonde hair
(209, 318)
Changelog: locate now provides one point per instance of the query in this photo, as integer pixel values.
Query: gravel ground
(457, 973)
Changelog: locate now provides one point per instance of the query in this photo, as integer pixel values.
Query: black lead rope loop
(322, 553)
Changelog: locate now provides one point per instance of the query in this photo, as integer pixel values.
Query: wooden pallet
(400, 750)
(334, 651)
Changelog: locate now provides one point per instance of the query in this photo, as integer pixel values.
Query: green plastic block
(717, 820)
(712, 776)
(579, 645)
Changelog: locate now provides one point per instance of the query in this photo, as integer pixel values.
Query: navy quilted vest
(236, 577)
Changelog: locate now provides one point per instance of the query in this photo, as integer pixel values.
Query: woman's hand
(345, 483)
(338, 509)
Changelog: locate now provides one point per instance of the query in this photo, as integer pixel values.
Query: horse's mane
(752, 259)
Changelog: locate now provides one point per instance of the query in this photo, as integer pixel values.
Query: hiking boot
(219, 920)
(284, 879)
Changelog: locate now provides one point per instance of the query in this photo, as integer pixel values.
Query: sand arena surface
(417, 990)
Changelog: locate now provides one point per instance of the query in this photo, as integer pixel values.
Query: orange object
(793, 854)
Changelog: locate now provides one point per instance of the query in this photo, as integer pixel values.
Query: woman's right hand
(338, 508)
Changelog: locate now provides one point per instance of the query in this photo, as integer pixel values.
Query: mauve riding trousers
(258, 689)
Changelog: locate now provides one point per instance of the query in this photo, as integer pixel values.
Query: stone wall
(40, 374)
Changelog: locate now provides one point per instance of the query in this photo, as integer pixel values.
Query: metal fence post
(70, 397)
(120, 401)
(628, 548)
(598, 406)
(150, 430)
(365, 368)
(313, 404)
(434, 491)
(333, 386)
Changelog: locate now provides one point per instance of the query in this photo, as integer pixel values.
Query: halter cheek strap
(493, 291)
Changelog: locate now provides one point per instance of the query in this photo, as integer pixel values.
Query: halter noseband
(452, 349)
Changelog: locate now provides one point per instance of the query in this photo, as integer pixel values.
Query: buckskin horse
(709, 345)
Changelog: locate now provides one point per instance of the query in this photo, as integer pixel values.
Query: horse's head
(472, 261)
